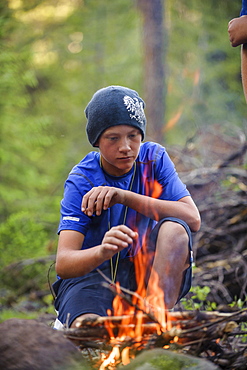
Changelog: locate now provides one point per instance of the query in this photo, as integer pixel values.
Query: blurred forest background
(54, 55)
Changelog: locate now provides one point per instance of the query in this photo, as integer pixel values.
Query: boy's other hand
(116, 239)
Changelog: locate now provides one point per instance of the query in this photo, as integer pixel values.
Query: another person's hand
(237, 30)
(100, 198)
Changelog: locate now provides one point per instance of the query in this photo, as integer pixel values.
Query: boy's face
(119, 147)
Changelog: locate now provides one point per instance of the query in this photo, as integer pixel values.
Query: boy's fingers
(114, 240)
(125, 231)
(90, 201)
(85, 198)
(96, 200)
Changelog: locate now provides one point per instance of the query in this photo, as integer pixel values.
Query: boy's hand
(100, 198)
(237, 29)
(116, 239)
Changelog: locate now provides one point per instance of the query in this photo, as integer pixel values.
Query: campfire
(137, 325)
(218, 337)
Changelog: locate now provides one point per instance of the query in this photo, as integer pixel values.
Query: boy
(110, 210)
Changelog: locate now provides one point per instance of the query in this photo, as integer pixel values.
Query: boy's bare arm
(72, 261)
(185, 208)
(102, 197)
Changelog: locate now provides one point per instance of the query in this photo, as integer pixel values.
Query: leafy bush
(198, 299)
(21, 237)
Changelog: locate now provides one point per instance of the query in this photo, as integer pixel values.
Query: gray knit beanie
(112, 106)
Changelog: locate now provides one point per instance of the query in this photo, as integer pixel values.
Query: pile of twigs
(218, 337)
(214, 168)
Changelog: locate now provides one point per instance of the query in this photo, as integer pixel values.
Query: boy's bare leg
(170, 261)
(77, 321)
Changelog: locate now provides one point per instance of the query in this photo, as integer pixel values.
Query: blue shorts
(86, 294)
(187, 278)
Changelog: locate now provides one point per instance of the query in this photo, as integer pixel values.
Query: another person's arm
(244, 68)
(237, 29)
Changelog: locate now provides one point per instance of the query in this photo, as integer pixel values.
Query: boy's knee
(174, 233)
(173, 241)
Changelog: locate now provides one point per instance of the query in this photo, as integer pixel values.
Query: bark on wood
(154, 77)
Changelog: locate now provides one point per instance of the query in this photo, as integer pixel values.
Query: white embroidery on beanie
(136, 107)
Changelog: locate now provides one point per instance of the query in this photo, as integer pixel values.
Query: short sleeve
(244, 8)
(72, 218)
(167, 176)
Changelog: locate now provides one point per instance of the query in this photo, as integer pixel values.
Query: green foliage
(198, 299)
(21, 236)
(238, 303)
(21, 280)
(9, 314)
(53, 58)
(204, 84)
(24, 308)
(243, 326)
(234, 184)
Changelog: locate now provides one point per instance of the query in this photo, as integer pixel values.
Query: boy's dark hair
(112, 106)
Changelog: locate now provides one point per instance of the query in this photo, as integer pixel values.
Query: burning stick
(117, 290)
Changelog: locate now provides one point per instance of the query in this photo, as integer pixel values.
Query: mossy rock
(161, 359)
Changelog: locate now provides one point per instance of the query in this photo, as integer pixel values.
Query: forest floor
(214, 167)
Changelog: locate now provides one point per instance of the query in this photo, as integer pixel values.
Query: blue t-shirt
(244, 7)
(153, 166)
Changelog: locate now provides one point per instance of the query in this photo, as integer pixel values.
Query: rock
(161, 359)
(32, 345)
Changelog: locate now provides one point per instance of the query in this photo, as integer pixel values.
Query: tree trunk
(154, 77)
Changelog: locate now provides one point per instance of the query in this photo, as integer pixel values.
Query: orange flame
(174, 120)
(111, 359)
(153, 190)
(132, 322)
(196, 77)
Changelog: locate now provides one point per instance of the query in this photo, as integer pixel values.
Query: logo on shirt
(71, 218)
(135, 107)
